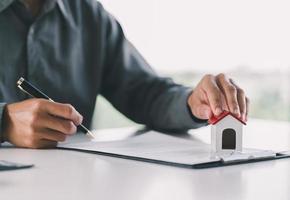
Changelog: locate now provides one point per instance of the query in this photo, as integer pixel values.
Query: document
(152, 145)
(162, 148)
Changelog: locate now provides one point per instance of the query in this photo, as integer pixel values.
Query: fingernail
(237, 112)
(80, 119)
(206, 114)
(218, 111)
(244, 117)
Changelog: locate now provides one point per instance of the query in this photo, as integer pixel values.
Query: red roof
(214, 120)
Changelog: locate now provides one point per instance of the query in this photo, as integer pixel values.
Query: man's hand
(215, 94)
(39, 123)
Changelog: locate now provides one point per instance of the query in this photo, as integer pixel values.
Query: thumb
(202, 111)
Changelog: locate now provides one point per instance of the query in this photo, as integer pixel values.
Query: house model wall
(226, 133)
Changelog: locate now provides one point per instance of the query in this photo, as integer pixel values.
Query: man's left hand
(214, 94)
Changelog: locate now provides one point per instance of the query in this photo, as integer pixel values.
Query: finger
(224, 103)
(46, 144)
(57, 124)
(247, 106)
(41, 144)
(230, 92)
(202, 111)
(241, 100)
(213, 95)
(52, 135)
(65, 111)
(242, 104)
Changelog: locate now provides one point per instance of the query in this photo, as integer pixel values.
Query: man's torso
(62, 52)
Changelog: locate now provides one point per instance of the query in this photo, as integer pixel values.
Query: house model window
(226, 132)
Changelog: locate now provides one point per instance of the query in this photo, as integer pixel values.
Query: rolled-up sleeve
(133, 87)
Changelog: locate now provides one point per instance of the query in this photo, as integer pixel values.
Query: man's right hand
(39, 123)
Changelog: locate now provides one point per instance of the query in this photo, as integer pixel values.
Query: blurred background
(185, 39)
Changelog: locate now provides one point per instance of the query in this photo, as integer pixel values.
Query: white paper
(158, 146)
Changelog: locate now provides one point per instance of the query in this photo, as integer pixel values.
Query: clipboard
(160, 148)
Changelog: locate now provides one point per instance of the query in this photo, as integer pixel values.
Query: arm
(137, 91)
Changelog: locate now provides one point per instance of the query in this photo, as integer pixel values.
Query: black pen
(32, 91)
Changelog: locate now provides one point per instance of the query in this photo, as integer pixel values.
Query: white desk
(61, 174)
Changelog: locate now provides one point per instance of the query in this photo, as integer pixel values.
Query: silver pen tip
(20, 81)
(90, 134)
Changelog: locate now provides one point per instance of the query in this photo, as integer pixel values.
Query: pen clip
(19, 86)
(22, 81)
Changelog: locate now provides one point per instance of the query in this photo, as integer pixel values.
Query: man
(74, 50)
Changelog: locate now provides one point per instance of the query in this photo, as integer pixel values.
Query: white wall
(211, 35)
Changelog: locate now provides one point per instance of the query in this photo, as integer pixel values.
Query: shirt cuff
(189, 120)
(2, 107)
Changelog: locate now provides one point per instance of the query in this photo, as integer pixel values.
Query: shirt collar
(49, 5)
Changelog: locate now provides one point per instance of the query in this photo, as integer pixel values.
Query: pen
(32, 91)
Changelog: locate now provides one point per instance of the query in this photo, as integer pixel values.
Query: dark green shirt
(74, 51)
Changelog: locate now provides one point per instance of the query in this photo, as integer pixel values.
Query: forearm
(160, 104)
(169, 111)
(131, 85)
(151, 100)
